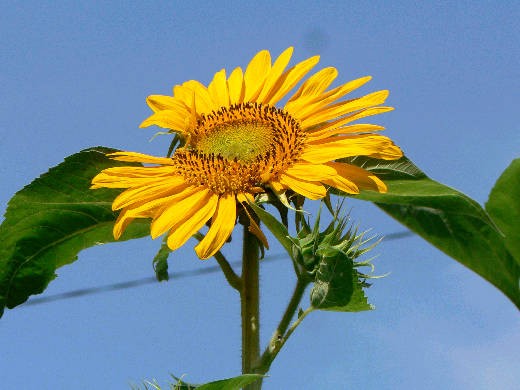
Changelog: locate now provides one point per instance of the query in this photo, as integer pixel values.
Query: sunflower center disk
(240, 148)
(240, 140)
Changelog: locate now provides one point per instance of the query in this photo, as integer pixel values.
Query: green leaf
(504, 207)
(160, 262)
(51, 220)
(446, 218)
(235, 383)
(276, 227)
(336, 286)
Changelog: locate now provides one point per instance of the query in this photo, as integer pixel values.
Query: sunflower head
(239, 141)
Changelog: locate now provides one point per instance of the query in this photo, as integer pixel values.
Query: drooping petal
(222, 225)
(187, 227)
(309, 189)
(371, 145)
(253, 227)
(123, 220)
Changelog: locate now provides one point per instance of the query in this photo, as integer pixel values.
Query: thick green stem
(250, 306)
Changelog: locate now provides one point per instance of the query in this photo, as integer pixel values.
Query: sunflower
(238, 141)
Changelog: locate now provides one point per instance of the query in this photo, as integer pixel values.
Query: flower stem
(279, 335)
(250, 300)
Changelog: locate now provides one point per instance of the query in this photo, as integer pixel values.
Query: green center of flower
(243, 140)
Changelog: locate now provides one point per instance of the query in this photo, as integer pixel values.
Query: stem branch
(280, 335)
(232, 278)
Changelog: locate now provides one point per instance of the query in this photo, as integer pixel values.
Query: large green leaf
(504, 207)
(448, 219)
(51, 220)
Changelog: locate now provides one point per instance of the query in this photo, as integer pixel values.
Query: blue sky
(76, 74)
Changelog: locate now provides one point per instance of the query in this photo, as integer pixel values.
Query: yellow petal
(167, 119)
(245, 197)
(315, 84)
(253, 226)
(140, 157)
(218, 89)
(331, 130)
(303, 108)
(290, 78)
(362, 178)
(178, 210)
(308, 189)
(187, 227)
(161, 102)
(222, 225)
(104, 180)
(203, 102)
(123, 220)
(371, 145)
(275, 73)
(155, 206)
(277, 187)
(135, 195)
(311, 172)
(140, 172)
(339, 109)
(236, 86)
(255, 75)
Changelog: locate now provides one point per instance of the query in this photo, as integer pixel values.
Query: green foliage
(504, 207)
(235, 383)
(453, 222)
(51, 220)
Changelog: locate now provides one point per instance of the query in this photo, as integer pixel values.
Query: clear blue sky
(76, 74)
